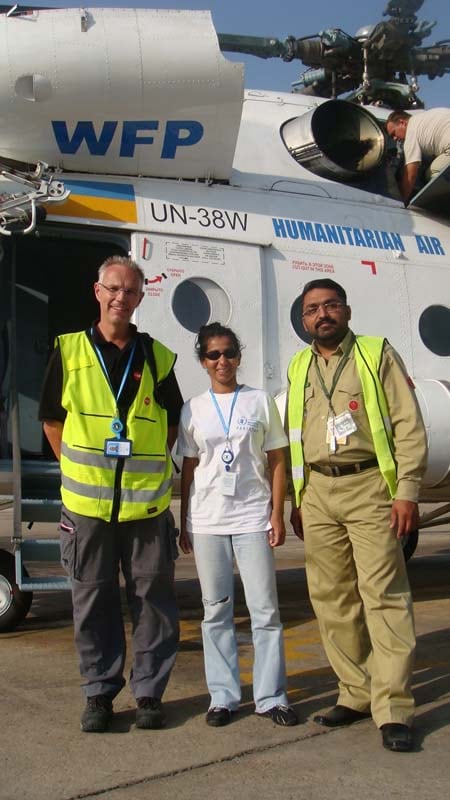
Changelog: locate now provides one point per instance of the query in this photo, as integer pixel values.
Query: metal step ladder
(35, 488)
(33, 551)
(39, 550)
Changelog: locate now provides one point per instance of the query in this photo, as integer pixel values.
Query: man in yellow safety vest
(110, 406)
(358, 453)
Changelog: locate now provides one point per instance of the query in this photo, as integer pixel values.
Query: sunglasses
(214, 355)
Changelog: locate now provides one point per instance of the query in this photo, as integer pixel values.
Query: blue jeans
(254, 557)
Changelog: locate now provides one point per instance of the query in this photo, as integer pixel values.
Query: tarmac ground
(44, 755)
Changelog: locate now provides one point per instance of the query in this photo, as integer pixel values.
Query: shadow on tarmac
(431, 684)
(41, 703)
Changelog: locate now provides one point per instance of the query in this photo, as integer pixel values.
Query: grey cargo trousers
(92, 553)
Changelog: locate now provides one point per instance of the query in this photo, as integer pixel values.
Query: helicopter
(128, 131)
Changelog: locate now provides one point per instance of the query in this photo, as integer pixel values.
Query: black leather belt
(345, 469)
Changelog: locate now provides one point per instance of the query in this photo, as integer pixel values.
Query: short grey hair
(122, 261)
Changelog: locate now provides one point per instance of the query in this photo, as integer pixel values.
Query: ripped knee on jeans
(207, 602)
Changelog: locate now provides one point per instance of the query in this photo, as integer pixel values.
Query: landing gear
(14, 604)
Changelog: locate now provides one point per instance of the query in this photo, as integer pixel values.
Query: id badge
(118, 448)
(227, 483)
(331, 437)
(344, 424)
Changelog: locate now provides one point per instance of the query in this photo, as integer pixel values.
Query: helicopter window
(197, 301)
(434, 329)
(296, 322)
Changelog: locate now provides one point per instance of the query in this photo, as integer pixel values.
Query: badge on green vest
(118, 448)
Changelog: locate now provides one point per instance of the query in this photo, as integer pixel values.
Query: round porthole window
(197, 301)
(297, 323)
(434, 329)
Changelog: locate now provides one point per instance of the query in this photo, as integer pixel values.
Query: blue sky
(281, 18)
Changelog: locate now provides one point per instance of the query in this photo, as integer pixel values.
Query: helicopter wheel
(14, 604)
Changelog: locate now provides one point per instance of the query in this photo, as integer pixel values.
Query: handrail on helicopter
(20, 212)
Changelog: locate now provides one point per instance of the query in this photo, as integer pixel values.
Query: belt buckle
(330, 471)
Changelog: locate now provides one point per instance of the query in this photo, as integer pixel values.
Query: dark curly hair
(207, 332)
(323, 283)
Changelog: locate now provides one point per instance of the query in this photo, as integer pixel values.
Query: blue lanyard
(125, 374)
(226, 427)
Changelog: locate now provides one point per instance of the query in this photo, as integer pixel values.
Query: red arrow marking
(158, 279)
(372, 266)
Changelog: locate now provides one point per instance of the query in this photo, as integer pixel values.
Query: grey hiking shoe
(149, 713)
(97, 714)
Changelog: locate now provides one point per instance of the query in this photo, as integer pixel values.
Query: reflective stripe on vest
(88, 476)
(93, 460)
(130, 496)
(368, 352)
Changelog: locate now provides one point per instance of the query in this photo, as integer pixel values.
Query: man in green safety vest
(358, 453)
(110, 406)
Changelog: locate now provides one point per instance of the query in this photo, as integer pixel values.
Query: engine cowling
(336, 140)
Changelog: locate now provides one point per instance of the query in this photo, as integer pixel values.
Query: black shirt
(116, 360)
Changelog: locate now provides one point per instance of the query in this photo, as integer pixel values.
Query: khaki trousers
(437, 165)
(360, 593)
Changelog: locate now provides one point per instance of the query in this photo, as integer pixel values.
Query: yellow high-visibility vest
(368, 353)
(89, 478)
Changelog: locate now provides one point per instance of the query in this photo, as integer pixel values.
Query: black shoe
(149, 714)
(281, 715)
(218, 716)
(97, 714)
(340, 715)
(397, 737)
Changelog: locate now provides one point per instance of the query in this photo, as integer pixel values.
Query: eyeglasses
(214, 355)
(329, 305)
(113, 290)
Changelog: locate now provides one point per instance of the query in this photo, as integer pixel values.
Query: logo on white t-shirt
(246, 424)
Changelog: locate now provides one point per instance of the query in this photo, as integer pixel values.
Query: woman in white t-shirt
(232, 502)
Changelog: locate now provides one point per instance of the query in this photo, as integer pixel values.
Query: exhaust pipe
(336, 140)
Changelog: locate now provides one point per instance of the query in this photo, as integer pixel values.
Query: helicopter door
(429, 293)
(190, 282)
(434, 196)
(375, 292)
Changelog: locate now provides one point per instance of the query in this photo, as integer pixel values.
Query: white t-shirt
(427, 134)
(255, 428)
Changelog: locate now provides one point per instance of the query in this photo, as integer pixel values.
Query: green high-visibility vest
(88, 476)
(368, 352)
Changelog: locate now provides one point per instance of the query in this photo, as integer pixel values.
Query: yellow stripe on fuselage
(100, 208)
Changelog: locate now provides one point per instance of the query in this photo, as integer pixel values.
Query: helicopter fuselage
(230, 202)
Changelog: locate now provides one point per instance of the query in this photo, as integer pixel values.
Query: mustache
(326, 321)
